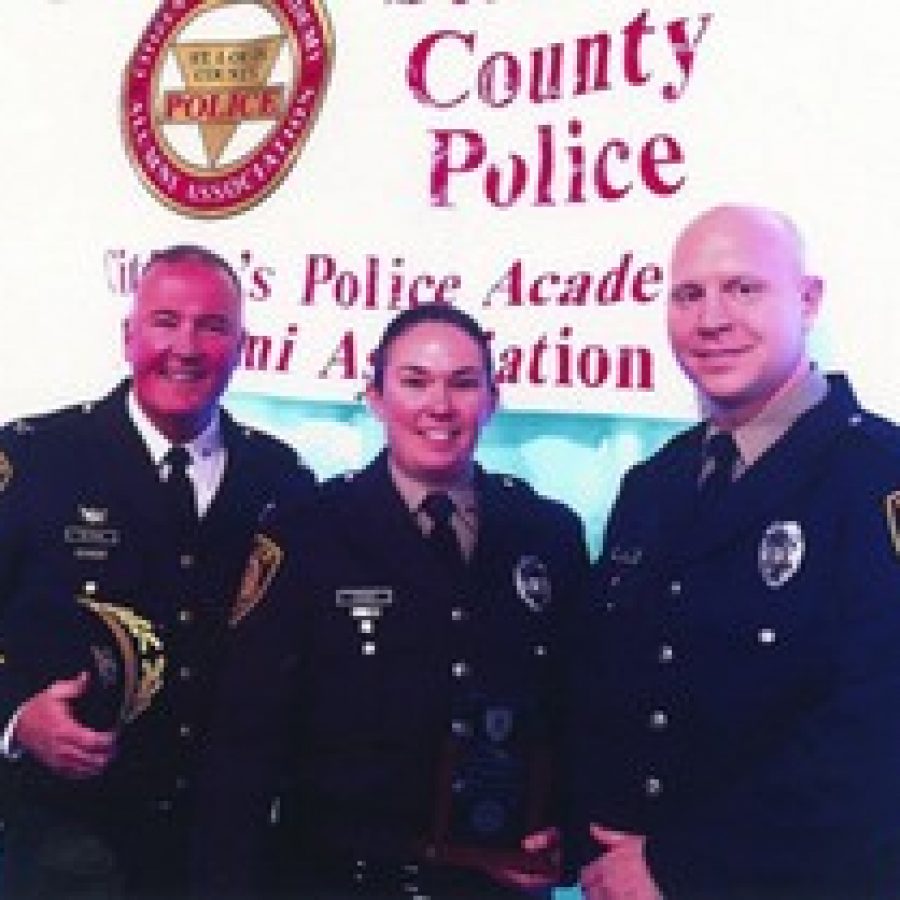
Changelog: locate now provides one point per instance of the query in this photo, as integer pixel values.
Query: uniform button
(458, 614)
(186, 560)
(658, 719)
(185, 616)
(652, 786)
(185, 673)
(460, 669)
(181, 783)
(540, 650)
(366, 626)
(459, 727)
(766, 636)
(185, 731)
(610, 606)
(855, 419)
(90, 587)
(165, 806)
(675, 588)
(666, 653)
(368, 648)
(615, 580)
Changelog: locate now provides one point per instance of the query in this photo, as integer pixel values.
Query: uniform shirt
(755, 437)
(206, 450)
(465, 514)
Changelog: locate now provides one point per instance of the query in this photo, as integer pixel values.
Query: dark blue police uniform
(83, 511)
(740, 681)
(384, 663)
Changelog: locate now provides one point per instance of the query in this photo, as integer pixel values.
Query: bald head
(736, 233)
(740, 307)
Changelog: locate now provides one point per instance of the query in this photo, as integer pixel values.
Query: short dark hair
(193, 252)
(429, 312)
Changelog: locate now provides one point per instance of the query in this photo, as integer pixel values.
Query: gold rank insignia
(892, 507)
(262, 566)
(6, 471)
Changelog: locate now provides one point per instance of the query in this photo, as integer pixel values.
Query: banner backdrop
(527, 160)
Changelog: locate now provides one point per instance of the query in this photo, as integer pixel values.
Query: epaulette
(512, 482)
(884, 433)
(28, 425)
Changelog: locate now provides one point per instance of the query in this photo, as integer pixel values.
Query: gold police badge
(219, 97)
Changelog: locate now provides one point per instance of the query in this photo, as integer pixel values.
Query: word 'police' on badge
(780, 553)
(219, 97)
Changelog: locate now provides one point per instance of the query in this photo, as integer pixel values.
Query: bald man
(741, 672)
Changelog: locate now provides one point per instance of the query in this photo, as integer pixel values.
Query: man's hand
(47, 730)
(621, 873)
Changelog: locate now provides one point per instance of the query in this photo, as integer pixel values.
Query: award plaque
(492, 791)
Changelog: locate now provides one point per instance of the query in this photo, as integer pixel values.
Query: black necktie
(722, 452)
(179, 490)
(442, 537)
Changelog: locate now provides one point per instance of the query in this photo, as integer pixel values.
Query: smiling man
(139, 508)
(735, 688)
(402, 658)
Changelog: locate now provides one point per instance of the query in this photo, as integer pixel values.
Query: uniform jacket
(740, 678)
(368, 709)
(83, 511)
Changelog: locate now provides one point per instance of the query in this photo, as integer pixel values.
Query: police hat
(119, 649)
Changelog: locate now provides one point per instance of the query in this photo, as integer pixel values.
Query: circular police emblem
(532, 581)
(219, 97)
(780, 553)
(6, 471)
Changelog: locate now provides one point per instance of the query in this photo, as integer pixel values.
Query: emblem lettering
(213, 122)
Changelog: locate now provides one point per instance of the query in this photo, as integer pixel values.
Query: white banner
(527, 160)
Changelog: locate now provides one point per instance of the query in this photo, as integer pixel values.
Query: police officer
(143, 504)
(419, 625)
(738, 707)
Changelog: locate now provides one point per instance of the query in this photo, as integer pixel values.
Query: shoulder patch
(6, 471)
(262, 566)
(892, 507)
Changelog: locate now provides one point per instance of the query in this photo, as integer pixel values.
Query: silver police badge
(532, 581)
(780, 553)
